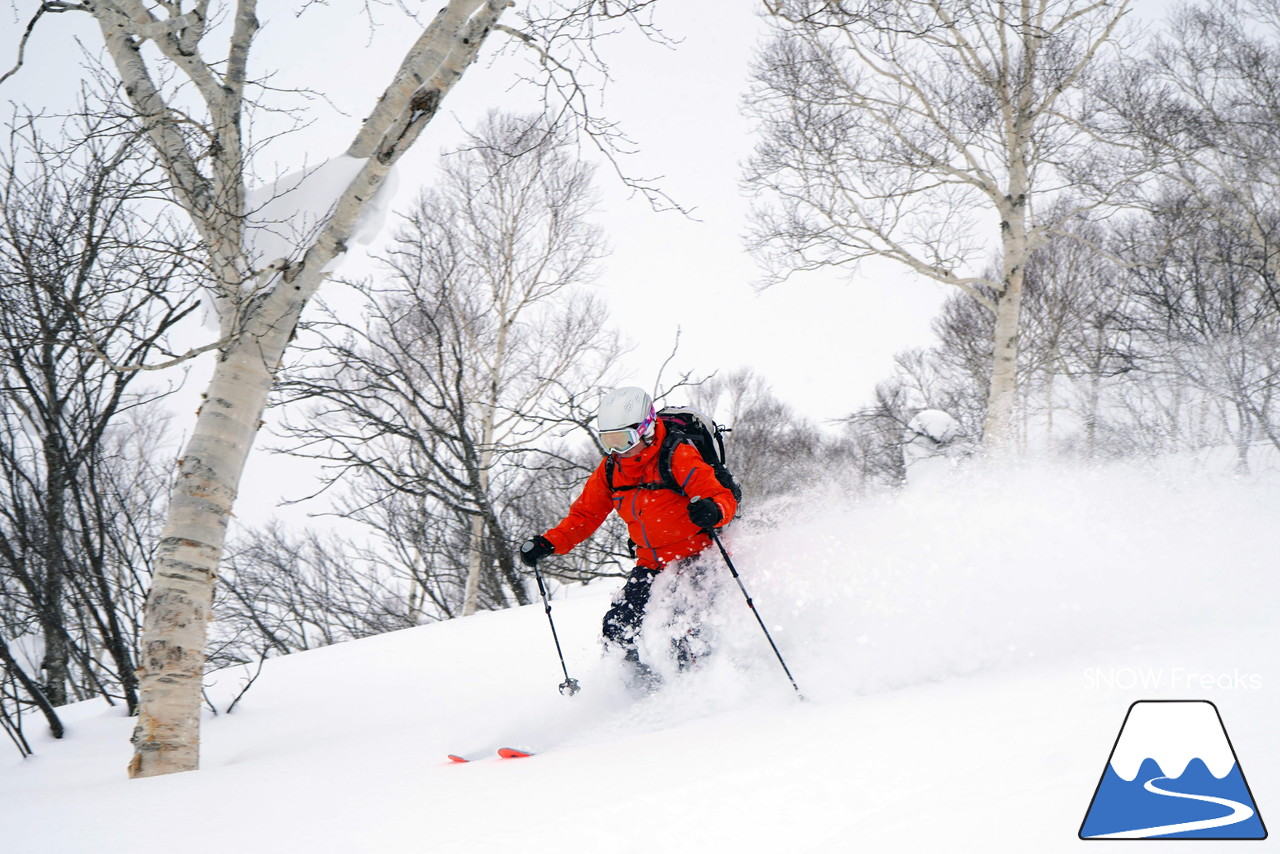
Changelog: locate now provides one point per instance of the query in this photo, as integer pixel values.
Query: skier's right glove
(535, 549)
(705, 513)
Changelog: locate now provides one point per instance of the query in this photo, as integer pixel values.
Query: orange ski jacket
(657, 519)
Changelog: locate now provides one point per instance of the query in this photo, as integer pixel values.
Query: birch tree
(183, 70)
(926, 132)
(1206, 263)
(1207, 337)
(1206, 104)
(1077, 339)
(478, 335)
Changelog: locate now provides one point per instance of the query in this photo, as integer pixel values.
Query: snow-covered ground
(968, 650)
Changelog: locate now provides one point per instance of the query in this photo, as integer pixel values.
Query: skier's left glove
(705, 513)
(535, 549)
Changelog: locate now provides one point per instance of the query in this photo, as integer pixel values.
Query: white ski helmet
(626, 407)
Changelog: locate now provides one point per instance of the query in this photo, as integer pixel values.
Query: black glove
(535, 549)
(704, 513)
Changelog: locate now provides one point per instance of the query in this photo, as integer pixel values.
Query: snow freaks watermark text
(1169, 678)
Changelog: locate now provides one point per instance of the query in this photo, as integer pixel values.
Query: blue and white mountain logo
(1173, 774)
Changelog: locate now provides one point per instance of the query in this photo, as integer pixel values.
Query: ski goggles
(625, 438)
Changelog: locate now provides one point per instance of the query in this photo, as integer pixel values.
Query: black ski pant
(622, 621)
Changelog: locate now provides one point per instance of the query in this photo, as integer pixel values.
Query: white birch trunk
(1051, 391)
(475, 564)
(998, 431)
(179, 604)
(475, 557)
(504, 293)
(1015, 244)
(471, 597)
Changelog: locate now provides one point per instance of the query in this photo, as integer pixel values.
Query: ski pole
(569, 686)
(752, 605)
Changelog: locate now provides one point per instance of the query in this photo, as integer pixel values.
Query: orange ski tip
(512, 753)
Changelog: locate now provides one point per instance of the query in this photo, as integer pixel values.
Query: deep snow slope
(968, 650)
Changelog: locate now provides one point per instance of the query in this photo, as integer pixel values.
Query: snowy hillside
(968, 651)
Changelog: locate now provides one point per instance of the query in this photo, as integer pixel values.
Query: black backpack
(684, 424)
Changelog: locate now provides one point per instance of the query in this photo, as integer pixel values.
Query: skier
(666, 527)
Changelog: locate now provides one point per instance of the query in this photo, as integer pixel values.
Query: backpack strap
(666, 473)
